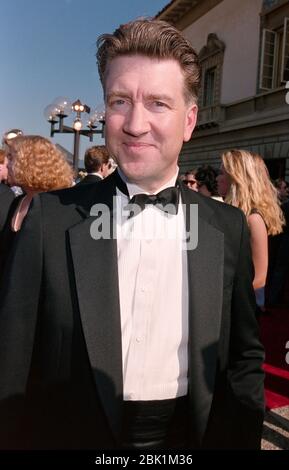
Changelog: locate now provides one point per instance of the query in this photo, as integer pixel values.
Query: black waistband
(155, 424)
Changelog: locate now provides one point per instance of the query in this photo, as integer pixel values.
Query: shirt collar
(96, 174)
(134, 189)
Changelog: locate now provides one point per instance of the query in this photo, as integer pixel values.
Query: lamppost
(61, 108)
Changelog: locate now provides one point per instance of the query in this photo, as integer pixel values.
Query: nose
(136, 122)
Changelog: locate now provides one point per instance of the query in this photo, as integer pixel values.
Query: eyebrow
(161, 97)
(153, 97)
(119, 94)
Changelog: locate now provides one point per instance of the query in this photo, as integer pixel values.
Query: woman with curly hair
(36, 165)
(244, 182)
(6, 195)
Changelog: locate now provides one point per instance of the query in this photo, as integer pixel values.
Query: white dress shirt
(96, 174)
(153, 285)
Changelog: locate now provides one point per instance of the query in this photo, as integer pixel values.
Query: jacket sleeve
(246, 355)
(19, 300)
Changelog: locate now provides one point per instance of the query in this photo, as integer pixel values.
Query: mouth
(137, 145)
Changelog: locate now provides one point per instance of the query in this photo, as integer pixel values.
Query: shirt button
(138, 339)
(143, 289)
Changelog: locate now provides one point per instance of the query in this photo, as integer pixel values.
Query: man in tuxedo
(6, 194)
(136, 325)
(97, 164)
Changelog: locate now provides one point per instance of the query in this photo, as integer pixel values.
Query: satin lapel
(96, 277)
(205, 280)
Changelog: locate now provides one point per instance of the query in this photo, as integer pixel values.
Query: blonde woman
(244, 182)
(35, 165)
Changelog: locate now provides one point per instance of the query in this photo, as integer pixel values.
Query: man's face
(223, 182)
(146, 118)
(191, 182)
(283, 191)
(3, 170)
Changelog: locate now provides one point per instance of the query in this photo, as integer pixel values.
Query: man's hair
(193, 171)
(207, 175)
(95, 157)
(152, 38)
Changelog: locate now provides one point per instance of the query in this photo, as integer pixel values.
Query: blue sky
(47, 49)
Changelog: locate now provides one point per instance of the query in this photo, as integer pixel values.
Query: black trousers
(160, 424)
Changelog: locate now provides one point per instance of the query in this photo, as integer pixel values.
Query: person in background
(278, 262)
(6, 194)
(112, 165)
(282, 188)
(207, 183)
(7, 137)
(244, 182)
(189, 179)
(35, 165)
(142, 343)
(97, 164)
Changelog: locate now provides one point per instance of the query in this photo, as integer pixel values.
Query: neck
(150, 186)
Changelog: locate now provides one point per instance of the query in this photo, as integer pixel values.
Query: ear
(191, 119)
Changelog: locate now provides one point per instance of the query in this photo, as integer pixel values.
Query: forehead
(143, 72)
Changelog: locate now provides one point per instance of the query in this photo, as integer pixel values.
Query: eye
(160, 104)
(118, 102)
(115, 102)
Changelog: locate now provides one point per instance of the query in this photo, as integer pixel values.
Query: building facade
(243, 49)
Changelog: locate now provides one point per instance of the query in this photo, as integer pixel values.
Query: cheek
(113, 127)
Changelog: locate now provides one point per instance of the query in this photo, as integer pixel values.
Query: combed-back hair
(251, 188)
(94, 157)
(38, 164)
(155, 39)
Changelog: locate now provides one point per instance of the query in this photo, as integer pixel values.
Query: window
(274, 69)
(209, 87)
(211, 58)
(285, 52)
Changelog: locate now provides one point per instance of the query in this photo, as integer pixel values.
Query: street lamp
(61, 108)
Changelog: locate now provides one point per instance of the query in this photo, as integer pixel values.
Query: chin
(135, 174)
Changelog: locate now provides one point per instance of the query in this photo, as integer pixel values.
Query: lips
(137, 144)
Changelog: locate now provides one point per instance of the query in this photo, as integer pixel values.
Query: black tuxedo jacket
(6, 198)
(88, 179)
(60, 332)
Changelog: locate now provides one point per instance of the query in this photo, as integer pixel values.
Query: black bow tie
(166, 200)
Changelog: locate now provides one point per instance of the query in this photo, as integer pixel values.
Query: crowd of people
(135, 342)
